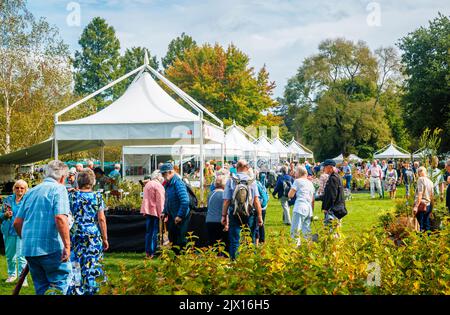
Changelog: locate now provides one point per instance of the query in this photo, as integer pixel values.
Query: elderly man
(79, 167)
(42, 223)
(375, 174)
(333, 197)
(231, 220)
(176, 207)
(90, 165)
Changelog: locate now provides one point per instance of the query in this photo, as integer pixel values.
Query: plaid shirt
(39, 207)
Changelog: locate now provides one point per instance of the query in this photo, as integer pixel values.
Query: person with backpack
(241, 206)
(176, 206)
(407, 177)
(264, 200)
(282, 188)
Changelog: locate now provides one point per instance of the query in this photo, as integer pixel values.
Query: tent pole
(102, 157)
(202, 162)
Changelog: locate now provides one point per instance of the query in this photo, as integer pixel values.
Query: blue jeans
(48, 272)
(348, 181)
(424, 219)
(407, 189)
(234, 232)
(259, 230)
(151, 234)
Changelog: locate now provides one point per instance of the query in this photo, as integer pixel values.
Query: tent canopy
(237, 142)
(351, 157)
(300, 150)
(281, 147)
(144, 114)
(44, 150)
(264, 144)
(392, 151)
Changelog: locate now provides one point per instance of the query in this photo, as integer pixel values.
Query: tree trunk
(7, 126)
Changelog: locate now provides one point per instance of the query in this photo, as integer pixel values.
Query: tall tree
(426, 62)
(331, 100)
(98, 62)
(176, 49)
(223, 81)
(34, 76)
(134, 58)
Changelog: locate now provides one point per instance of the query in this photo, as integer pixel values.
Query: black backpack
(193, 201)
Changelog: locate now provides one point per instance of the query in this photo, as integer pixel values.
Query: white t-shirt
(304, 196)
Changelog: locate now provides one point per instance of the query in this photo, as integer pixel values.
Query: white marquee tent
(392, 151)
(144, 115)
(281, 147)
(299, 151)
(351, 157)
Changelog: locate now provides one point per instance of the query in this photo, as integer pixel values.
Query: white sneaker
(11, 279)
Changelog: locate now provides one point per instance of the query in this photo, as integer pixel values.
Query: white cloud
(277, 33)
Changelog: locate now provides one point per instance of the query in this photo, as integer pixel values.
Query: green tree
(176, 49)
(132, 59)
(426, 60)
(98, 62)
(223, 82)
(35, 76)
(331, 103)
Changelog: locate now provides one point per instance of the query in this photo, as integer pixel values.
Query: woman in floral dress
(391, 180)
(88, 236)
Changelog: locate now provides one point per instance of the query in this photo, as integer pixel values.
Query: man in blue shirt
(284, 180)
(347, 175)
(42, 224)
(115, 177)
(231, 222)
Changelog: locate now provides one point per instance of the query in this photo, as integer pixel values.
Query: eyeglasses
(20, 188)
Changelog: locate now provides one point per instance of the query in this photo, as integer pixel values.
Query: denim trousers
(14, 259)
(260, 234)
(301, 223)
(151, 234)
(424, 219)
(234, 232)
(48, 272)
(348, 181)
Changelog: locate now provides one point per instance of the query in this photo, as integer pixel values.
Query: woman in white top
(304, 190)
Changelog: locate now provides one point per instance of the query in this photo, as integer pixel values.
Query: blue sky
(278, 33)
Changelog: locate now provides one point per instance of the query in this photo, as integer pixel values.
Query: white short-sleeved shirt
(304, 196)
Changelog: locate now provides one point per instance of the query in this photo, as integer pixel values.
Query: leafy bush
(329, 266)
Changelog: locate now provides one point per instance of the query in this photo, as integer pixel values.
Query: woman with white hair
(214, 213)
(14, 260)
(423, 199)
(152, 207)
(304, 190)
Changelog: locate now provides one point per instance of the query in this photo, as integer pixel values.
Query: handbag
(422, 207)
(339, 211)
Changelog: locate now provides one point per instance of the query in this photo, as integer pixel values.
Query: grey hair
(86, 178)
(220, 181)
(423, 170)
(301, 171)
(156, 175)
(56, 169)
(116, 166)
(284, 169)
(448, 163)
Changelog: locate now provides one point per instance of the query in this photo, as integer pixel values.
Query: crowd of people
(59, 227)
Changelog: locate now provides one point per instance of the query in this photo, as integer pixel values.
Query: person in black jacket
(333, 194)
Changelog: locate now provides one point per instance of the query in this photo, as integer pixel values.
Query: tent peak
(146, 61)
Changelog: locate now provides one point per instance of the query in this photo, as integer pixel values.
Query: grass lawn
(362, 214)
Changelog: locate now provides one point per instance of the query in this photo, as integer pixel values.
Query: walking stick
(22, 278)
(161, 231)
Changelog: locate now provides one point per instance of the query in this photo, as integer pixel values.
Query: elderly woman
(304, 190)
(423, 199)
(14, 260)
(152, 207)
(391, 180)
(88, 236)
(214, 213)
